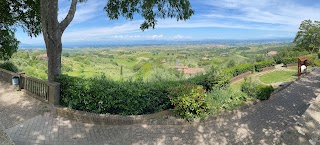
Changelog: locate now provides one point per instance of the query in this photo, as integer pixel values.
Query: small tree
(308, 36)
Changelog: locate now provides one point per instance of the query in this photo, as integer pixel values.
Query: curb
(159, 118)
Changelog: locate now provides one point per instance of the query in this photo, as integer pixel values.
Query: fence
(42, 90)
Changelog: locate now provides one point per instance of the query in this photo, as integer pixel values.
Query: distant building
(272, 53)
(181, 67)
(42, 56)
(192, 71)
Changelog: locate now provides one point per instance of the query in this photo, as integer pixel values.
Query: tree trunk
(52, 33)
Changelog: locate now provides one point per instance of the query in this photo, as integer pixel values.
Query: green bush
(7, 65)
(313, 61)
(263, 91)
(258, 66)
(101, 95)
(239, 69)
(289, 60)
(189, 101)
(255, 90)
(225, 99)
(248, 87)
(318, 55)
(212, 79)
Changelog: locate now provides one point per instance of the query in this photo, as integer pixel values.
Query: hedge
(102, 95)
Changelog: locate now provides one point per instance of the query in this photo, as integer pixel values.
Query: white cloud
(157, 36)
(100, 33)
(213, 23)
(283, 12)
(85, 11)
(150, 37)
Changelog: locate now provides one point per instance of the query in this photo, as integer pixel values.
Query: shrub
(248, 87)
(263, 91)
(255, 90)
(239, 69)
(318, 55)
(289, 60)
(225, 99)
(213, 79)
(258, 66)
(313, 61)
(7, 65)
(101, 95)
(189, 101)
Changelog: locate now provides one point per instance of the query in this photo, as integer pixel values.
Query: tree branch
(67, 20)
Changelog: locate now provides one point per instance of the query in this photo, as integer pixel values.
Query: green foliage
(255, 90)
(313, 61)
(225, 99)
(308, 35)
(7, 65)
(318, 55)
(289, 60)
(189, 101)
(102, 95)
(248, 87)
(239, 69)
(8, 43)
(212, 79)
(260, 65)
(24, 13)
(287, 56)
(263, 92)
(66, 54)
(149, 10)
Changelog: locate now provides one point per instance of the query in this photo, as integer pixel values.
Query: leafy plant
(263, 91)
(102, 95)
(7, 65)
(255, 90)
(189, 101)
(225, 99)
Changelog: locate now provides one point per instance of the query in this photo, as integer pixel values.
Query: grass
(277, 76)
(293, 68)
(236, 86)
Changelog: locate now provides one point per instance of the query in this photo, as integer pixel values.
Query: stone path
(28, 121)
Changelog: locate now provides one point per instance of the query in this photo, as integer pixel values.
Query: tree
(24, 13)
(150, 10)
(308, 36)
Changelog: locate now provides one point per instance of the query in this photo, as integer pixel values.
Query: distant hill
(79, 45)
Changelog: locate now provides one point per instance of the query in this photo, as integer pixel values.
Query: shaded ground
(260, 124)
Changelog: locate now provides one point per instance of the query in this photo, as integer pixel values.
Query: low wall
(292, 64)
(268, 68)
(159, 118)
(6, 75)
(241, 76)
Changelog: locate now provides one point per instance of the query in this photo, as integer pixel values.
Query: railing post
(54, 93)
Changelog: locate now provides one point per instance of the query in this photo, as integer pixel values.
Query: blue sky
(213, 19)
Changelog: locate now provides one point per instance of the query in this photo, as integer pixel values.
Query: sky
(213, 19)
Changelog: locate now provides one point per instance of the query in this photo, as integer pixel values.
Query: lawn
(237, 86)
(277, 76)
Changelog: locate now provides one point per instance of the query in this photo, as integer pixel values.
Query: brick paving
(259, 124)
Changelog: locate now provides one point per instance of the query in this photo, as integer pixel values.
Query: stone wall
(241, 76)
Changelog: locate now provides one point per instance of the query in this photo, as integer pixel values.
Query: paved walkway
(28, 121)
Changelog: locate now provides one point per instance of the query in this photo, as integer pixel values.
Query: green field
(147, 62)
(277, 76)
